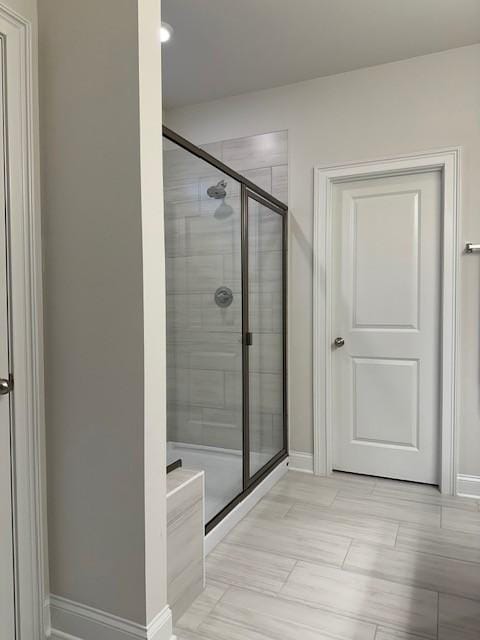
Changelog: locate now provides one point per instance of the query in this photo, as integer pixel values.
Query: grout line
(290, 508)
(451, 594)
(289, 574)
(347, 552)
(396, 535)
(229, 586)
(272, 552)
(438, 614)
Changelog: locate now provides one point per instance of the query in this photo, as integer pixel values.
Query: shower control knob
(223, 297)
(339, 342)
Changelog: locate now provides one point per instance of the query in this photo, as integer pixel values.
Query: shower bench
(185, 538)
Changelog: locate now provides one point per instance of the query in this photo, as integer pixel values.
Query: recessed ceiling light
(166, 32)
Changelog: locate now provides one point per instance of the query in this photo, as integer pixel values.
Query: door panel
(385, 249)
(265, 319)
(385, 396)
(7, 617)
(387, 308)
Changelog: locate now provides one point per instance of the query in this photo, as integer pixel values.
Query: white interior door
(7, 614)
(386, 308)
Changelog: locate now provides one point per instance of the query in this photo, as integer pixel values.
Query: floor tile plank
(405, 485)
(392, 509)
(270, 507)
(284, 619)
(439, 541)
(300, 490)
(459, 619)
(249, 568)
(389, 634)
(218, 628)
(342, 482)
(354, 526)
(367, 598)
(202, 606)
(429, 496)
(283, 537)
(182, 634)
(417, 569)
(456, 520)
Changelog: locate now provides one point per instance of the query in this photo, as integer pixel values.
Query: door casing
(448, 162)
(26, 318)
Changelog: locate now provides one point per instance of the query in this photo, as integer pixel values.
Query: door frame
(325, 177)
(26, 320)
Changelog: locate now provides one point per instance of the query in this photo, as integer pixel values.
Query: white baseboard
(301, 461)
(75, 621)
(229, 521)
(468, 486)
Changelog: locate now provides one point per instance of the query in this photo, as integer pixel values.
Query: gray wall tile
(265, 150)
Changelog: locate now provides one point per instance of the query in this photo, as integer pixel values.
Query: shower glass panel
(265, 311)
(225, 240)
(204, 323)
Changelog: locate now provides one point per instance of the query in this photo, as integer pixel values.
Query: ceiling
(227, 47)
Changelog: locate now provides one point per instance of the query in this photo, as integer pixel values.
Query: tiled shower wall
(204, 351)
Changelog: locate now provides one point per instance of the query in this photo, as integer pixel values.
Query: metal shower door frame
(248, 479)
(249, 191)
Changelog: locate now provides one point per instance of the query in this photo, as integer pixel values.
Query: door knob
(6, 386)
(339, 342)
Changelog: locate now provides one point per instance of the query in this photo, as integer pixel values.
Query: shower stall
(226, 248)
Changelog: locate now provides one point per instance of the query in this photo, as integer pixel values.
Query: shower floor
(223, 471)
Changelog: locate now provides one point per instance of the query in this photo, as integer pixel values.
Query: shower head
(218, 191)
(223, 211)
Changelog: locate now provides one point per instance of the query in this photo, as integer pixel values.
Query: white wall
(414, 105)
(102, 190)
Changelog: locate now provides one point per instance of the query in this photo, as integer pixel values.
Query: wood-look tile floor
(348, 558)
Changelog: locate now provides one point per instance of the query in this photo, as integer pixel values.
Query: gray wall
(203, 253)
(415, 105)
(96, 190)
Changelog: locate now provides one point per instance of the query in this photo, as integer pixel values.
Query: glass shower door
(225, 241)
(204, 323)
(265, 335)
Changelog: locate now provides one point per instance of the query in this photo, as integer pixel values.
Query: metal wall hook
(470, 247)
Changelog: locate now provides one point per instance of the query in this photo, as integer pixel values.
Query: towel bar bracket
(470, 247)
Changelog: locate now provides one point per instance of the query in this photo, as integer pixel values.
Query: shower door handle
(249, 339)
